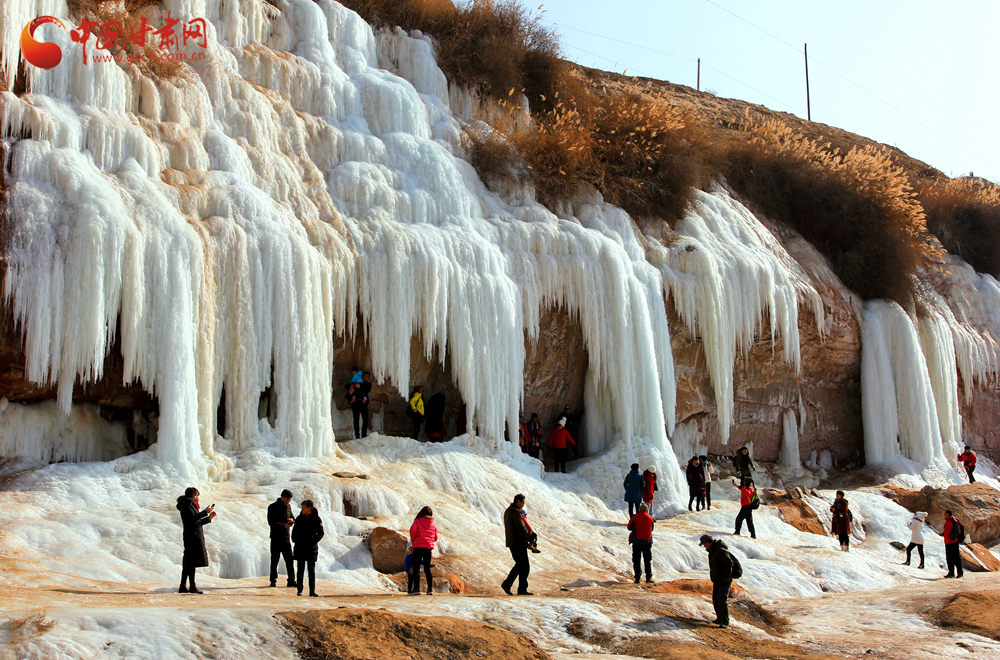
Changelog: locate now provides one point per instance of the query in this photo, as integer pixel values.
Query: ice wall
(43, 433)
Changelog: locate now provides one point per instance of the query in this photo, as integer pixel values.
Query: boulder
(350, 475)
(978, 558)
(898, 545)
(976, 505)
(801, 516)
(700, 587)
(458, 585)
(388, 548)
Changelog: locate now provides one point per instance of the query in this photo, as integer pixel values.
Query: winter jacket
(968, 459)
(709, 471)
(633, 485)
(356, 378)
(720, 562)
(423, 533)
(917, 530)
(746, 495)
(949, 523)
(642, 524)
(696, 478)
(417, 404)
(841, 517)
(435, 414)
(278, 514)
(514, 528)
(743, 463)
(195, 554)
(306, 535)
(649, 486)
(559, 437)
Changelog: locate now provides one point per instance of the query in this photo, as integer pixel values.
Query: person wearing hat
(968, 459)
(916, 537)
(559, 442)
(720, 571)
(415, 409)
(649, 486)
(280, 519)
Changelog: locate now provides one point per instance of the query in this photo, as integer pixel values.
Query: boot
(906, 563)
(921, 565)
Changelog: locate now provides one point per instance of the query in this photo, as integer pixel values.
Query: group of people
(562, 439)
(639, 488)
(699, 471)
(433, 413)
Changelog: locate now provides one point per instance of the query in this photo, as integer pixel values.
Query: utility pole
(805, 51)
(699, 74)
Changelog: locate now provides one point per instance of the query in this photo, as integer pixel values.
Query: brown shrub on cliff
(964, 214)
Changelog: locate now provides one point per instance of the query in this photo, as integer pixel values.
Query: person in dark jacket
(434, 422)
(195, 554)
(696, 483)
(534, 435)
(517, 537)
(641, 525)
(968, 460)
(842, 517)
(633, 490)
(744, 464)
(306, 535)
(280, 519)
(720, 570)
(358, 395)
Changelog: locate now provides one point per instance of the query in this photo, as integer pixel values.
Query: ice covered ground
(98, 546)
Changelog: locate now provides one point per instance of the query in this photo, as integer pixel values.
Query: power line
(601, 57)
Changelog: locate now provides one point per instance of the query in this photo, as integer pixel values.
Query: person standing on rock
(968, 459)
(195, 553)
(747, 496)
(641, 526)
(649, 487)
(306, 535)
(415, 409)
(709, 471)
(916, 537)
(696, 483)
(423, 536)
(720, 570)
(633, 490)
(953, 538)
(842, 518)
(559, 442)
(280, 520)
(744, 464)
(517, 540)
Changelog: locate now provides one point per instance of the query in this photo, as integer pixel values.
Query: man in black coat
(195, 553)
(517, 535)
(306, 534)
(360, 399)
(280, 519)
(720, 570)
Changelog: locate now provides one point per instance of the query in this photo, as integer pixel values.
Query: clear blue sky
(935, 61)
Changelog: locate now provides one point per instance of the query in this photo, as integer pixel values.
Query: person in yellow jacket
(415, 409)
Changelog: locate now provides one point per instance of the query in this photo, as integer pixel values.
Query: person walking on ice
(306, 534)
(744, 464)
(748, 502)
(916, 537)
(709, 471)
(649, 487)
(641, 526)
(954, 536)
(559, 440)
(968, 460)
(723, 568)
(695, 472)
(423, 536)
(517, 537)
(842, 519)
(633, 486)
(195, 553)
(280, 520)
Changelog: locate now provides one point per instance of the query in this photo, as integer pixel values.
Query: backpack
(957, 530)
(737, 567)
(754, 503)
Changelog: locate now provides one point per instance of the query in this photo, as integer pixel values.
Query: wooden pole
(805, 51)
(699, 74)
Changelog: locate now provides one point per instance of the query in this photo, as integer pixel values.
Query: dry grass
(29, 626)
(964, 214)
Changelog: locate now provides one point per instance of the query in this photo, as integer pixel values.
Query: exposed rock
(978, 558)
(388, 548)
(898, 545)
(350, 475)
(458, 585)
(701, 587)
(976, 505)
(801, 516)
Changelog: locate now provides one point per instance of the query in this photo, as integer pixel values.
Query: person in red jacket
(641, 525)
(747, 492)
(968, 459)
(649, 486)
(423, 536)
(558, 440)
(951, 546)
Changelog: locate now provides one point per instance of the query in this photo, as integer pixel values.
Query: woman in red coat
(842, 516)
(559, 440)
(423, 536)
(649, 479)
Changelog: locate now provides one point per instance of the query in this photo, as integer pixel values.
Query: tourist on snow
(280, 519)
(633, 485)
(649, 486)
(559, 440)
(573, 426)
(306, 535)
(968, 459)
(534, 435)
(423, 536)
(195, 554)
(415, 409)
(532, 536)
(641, 525)
(522, 434)
(747, 495)
(709, 471)
(952, 542)
(720, 571)
(696, 483)
(358, 399)
(744, 464)
(842, 519)
(916, 537)
(434, 428)
(517, 536)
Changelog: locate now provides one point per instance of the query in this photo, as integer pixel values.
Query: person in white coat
(916, 537)
(709, 471)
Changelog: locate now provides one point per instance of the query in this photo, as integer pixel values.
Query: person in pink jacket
(423, 536)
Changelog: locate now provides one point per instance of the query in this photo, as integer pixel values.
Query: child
(408, 568)
(533, 539)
